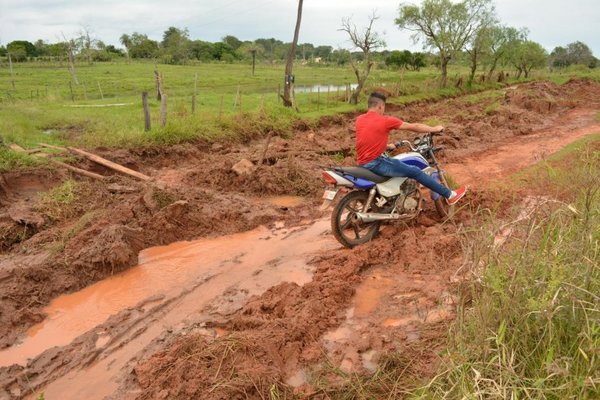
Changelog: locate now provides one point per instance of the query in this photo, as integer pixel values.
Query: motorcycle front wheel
(345, 225)
(442, 207)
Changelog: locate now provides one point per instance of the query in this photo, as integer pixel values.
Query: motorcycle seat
(363, 173)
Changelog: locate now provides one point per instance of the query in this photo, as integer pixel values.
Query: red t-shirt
(372, 131)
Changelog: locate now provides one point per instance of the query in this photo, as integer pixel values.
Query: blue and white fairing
(413, 158)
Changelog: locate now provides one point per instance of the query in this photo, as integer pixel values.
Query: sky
(550, 22)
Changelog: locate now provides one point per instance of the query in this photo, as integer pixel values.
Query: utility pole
(288, 89)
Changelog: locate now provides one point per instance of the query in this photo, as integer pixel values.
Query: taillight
(328, 178)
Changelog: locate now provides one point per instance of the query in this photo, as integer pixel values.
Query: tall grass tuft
(532, 329)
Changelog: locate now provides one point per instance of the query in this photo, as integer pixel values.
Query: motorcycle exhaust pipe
(372, 217)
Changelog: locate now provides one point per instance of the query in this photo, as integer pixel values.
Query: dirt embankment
(279, 333)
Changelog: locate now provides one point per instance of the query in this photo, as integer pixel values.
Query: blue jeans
(386, 166)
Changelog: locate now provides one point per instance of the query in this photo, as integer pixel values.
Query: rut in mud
(394, 293)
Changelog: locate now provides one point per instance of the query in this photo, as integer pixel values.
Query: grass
(41, 108)
(55, 202)
(12, 160)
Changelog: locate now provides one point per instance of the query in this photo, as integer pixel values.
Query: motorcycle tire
(346, 228)
(444, 210)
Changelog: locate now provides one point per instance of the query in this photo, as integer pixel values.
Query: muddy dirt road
(275, 296)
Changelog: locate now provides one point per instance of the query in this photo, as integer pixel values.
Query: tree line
(467, 32)
(470, 30)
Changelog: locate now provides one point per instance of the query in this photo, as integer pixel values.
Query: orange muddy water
(191, 273)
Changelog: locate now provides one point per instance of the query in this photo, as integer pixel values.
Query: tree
(366, 40)
(201, 50)
(405, 59)
(270, 46)
(526, 55)
(41, 48)
(340, 56)
(288, 88)
(232, 41)
(574, 53)
(86, 43)
(324, 52)
(3, 51)
(479, 44)
(500, 39)
(139, 45)
(175, 45)
(444, 25)
(21, 49)
(59, 49)
(223, 52)
(308, 51)
(125, 40)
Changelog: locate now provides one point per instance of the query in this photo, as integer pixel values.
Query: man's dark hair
(375, 98)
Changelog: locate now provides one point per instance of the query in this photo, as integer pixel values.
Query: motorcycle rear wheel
(346, 227)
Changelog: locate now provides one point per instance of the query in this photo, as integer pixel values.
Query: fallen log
(109, 164)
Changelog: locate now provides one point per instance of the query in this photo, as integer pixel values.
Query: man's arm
(420, 128)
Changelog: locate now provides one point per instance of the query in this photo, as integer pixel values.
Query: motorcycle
(372, 199)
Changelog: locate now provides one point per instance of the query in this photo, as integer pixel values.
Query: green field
(105, 108)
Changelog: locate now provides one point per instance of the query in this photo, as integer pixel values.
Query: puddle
(165, 272)
(369, 293)
(285, 201)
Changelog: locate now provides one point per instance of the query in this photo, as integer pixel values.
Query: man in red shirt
(372, 131)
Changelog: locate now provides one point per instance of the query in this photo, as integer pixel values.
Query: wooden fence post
(193, 103)
(163, 110)
(158, 83)
(146, 111)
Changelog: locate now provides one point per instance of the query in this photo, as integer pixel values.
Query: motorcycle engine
(408, 201)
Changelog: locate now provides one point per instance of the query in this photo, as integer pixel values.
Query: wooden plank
(16, 147)
(50, 146)
(110, 164)
(78, 170)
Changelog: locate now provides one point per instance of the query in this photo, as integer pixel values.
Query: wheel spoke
(356, 232)
(346, 224)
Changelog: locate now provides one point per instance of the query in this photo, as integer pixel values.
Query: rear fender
(339, 179)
